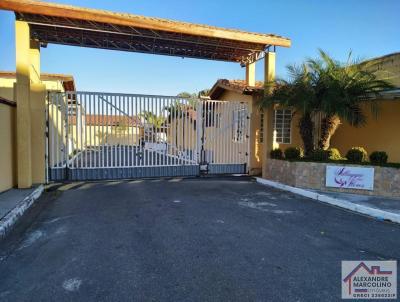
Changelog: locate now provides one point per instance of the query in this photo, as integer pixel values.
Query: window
(261, 134)
(238, 129)
(282, 125)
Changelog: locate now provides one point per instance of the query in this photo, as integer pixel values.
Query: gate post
(199, 132)
(38, 130)
(22, 97)
(30, 98)
(269, 78)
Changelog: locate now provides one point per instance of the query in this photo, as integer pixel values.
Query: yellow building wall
(38, 108)
(381, 134)
(7, 147)
(7, 87)
(103, 135)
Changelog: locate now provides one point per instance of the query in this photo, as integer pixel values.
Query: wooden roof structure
(76, 26)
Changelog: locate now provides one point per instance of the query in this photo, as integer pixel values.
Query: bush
(378, 158)
(276, 154)
(320, 155)
(334, 154)
(357, 155)
(293, 153)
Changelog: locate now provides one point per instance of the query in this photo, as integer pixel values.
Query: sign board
(364, 280)
(350, 177)
(155, 146)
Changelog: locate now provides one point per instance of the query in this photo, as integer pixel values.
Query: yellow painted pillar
(38, 129)
(251, 74)
(22, 97)
(38, 117)
(34, 58)
(269, 78)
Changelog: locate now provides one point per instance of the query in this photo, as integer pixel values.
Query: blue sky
(369, 28)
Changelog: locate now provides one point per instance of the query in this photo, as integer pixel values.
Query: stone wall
(311, 175)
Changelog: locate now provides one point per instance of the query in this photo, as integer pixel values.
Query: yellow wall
(380, 134)
(7, 147)
(38, 129)
(7, 87)
(104, 135)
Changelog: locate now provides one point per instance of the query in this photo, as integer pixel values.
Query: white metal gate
(109, 136)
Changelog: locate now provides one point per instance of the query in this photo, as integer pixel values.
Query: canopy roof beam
(71, 25)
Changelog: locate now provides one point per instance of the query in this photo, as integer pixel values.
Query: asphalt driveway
(185, 240)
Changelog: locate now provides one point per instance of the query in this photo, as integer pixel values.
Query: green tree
(153, 119)
(187, 95)
(337, 90)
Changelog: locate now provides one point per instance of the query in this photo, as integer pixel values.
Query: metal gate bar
(111, 135)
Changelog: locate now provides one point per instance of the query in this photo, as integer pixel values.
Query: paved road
(185, 240)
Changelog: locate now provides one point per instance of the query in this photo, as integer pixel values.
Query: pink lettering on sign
(344, 178)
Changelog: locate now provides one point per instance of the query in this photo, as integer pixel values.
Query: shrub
(276, 154)
(334, 154)
(320, 155)
(378, 158)
(293, 153)
(357, 155)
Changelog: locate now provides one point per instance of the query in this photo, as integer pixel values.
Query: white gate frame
(92, 135)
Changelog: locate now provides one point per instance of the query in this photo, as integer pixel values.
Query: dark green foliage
(276, 154)
(334, 154)
(320, 155)
(293, 153)
(326, 155)
(378, 158)
(357, 155)
(340, 91)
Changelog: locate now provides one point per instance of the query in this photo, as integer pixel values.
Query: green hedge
(293, 153)
(378, 158)
(357, 155)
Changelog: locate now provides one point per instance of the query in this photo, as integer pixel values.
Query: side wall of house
(381, 134)
(7, 147)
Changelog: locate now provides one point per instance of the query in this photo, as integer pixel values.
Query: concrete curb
(12, 217)
(372, 212)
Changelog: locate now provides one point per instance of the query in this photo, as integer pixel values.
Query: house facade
(284, 119)
(379, 134)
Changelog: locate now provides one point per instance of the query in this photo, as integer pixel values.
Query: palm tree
(297, 93)
(153, 119)
(338, 91)
(155, 122)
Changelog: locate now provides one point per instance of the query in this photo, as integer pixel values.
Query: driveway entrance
(111, 136)
(221, 239)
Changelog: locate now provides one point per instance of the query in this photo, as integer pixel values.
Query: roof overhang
(70, 25)
(223, 85)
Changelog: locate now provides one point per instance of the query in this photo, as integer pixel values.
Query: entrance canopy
(70, 25)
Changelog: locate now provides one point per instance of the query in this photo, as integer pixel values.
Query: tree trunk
(329, 125)
(306, 127)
